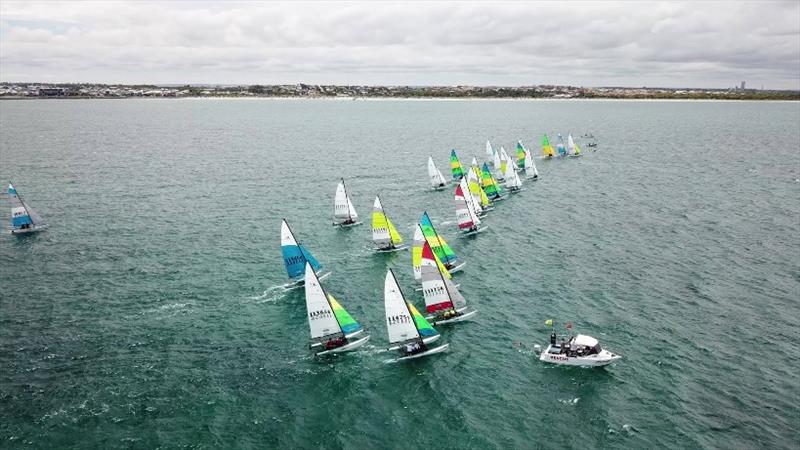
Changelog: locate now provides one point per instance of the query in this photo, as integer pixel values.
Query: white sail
(321, 319)
(287, 238)
(433, 286)
(570, 144)
(380, 235)
(465, 211)
(435, 175)
(512, 179)
(455, 295)
(343, 210)
(473, 177)
(496, 160)
(399, 321)
(530, 166)
(489, 149)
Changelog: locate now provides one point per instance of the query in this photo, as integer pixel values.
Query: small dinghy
(384, 234)
(333, 329)
(409, 332)
(344, 215)
(295, 257)
(547, 149)
(24, 219)
(580, 350)
(437, 180)
(468, 221)
(442, 298)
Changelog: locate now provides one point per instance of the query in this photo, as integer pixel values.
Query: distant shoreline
(416, 98)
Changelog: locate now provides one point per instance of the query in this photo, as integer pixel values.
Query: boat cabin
(580, 345)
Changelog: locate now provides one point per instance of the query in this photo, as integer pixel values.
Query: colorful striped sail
(346, 321)
(295, 255)
(489, 183)
(562, 151)
(384, 234)
(424, 328)
(520, 155)
(455, 165)
(416, 255)
(437, 242)
(547, 149)
(503, 162)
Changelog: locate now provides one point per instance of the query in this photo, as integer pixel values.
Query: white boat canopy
(583, 340)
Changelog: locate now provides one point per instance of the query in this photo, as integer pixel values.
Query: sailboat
(530, 166)
(295, 257)
(513, 183)
(521, 155)
(384, 234)
(504, 159)
(560, 146)
(333, 329)
(489, 150)
(496, 160)
(468, 221)
(490, 185)
(455, 165)
(435, 176)
(574, 150)
(439, 245)
(409, 332)
(477, 192)
(441, 296)
(416, 256)
(547, 149)
(344, 215)
(24, 219)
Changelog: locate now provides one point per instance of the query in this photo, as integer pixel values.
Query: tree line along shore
(70, 90)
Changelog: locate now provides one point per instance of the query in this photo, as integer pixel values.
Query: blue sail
(295, 257)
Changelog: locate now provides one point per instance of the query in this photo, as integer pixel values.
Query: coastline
(412, 99)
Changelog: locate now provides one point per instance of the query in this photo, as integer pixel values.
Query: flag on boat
(549, 322)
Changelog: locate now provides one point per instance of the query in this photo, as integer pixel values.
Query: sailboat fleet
(333, 330)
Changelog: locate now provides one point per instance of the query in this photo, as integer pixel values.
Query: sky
(704, 44)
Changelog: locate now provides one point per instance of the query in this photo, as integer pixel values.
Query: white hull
(458, 318)
(431, 351)
(603, 358)
(516, 191)
(439, 188)
(498, 199)
(576, 156)
(347, 225)
(392, 249)
(29, 230)
(472, 233)
(427, 340)
(532, 178)
(457, 268)
(346, 348)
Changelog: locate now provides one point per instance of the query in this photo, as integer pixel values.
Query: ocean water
(150, 313)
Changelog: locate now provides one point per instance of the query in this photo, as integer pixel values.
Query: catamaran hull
(294, 284)
(392, 249)
(457, 268)
(29, 230)
(427, 340)
(345, 348)
(601, 359)
(456, 319)
(517, 190)
(472, 233)
(347, 225)
(432, 351)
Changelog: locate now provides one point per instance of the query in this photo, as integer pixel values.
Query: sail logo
(398, 319)
(294, 260)
(321, 314)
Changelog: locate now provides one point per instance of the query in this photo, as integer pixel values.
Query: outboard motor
(537, 348)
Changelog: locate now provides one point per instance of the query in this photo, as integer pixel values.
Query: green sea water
(150, 313)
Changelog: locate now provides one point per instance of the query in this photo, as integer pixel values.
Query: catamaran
(513, 183)
(468, 221)
(477, 192)
(409, 332)
(442, 298)
(344, 215)
(384, 234)
(547, 149)
(580, 350)
(416, 256)
(496, 160)
(490, 186)
(574, 150)
(24, 219)
(455, 165)
(440, 247)
(295, 257)
(504, 159)
(489, 150)
(436, 178)
(530, 166)
(520, 155)
(560, 146)
(333, 329)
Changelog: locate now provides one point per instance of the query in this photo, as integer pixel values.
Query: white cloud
(706, 44)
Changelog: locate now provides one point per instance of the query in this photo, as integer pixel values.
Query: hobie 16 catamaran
(295, 257)
(442, 298)
(435, 176)
(468, 221)
(408, 330)
(344, 215)
(333, 329)
(24, 220)
(384, 234)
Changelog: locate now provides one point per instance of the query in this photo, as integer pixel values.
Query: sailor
(563, 346)
(329, 345)
(553, 338)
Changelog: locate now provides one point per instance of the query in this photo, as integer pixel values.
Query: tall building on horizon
(743, 85)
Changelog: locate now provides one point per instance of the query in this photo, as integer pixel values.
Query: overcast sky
(671, 44)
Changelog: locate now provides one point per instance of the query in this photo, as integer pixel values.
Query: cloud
(703, 44)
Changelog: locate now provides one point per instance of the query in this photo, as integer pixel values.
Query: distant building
(52, 92)
(743, 85)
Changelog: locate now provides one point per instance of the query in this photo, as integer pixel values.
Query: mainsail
(384, 234)
(434, 175)
(439, 291)
(455, 165)
(22, 216)
(573, 147)
(530, 166)
(343, 211)
(489, 183)
(489, 150)
(403, 321)
(504, 159)
(437, 242)
(512, 179)
(295, 255)
(547, 149)
(520, 155)
(476, 190)
(560, 146)
(416, 254)
(321, 319)
(467, 219)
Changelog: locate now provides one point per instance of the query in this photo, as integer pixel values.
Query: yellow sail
(434, 241)
(396, 239)
(484, 199)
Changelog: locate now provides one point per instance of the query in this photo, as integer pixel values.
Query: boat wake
(274, 293)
